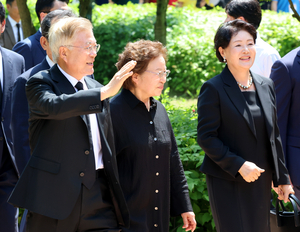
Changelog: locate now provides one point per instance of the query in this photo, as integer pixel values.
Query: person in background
(237, 130)
(170, 3)
(150, 170)
(285, 74)
(124, 2)
(30, 48)
(284, 6)
(250, 11)
(11, 66)
(13, 32)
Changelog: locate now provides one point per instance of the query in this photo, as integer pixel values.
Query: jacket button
(87, 152)
(1, 138)
(155, 225)
(82, 174)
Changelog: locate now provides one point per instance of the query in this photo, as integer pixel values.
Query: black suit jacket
(226, 130)
(285, 74)
(59, 141)
(20, 116)
(13, 65)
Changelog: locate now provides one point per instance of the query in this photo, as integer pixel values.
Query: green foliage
(184, 123)
(190, 34)
(280, 30)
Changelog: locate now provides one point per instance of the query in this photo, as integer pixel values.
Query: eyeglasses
(161, 74)
(90, 48)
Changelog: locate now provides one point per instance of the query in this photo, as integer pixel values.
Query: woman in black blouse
(237, 129)
(150, 170)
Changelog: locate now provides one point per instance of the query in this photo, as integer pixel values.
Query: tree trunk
(27, 25)
(85, 9)
(160, 28)
(295, 15)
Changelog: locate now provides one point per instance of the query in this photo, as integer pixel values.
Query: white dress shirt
(13, 24)
(49, 61)
(93, 123)
(265, 57)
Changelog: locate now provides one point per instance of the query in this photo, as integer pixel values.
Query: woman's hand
(284, 191)
(189, 222)
(117, 81)
(250, 172)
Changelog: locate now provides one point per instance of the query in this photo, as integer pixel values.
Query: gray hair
(63, 30)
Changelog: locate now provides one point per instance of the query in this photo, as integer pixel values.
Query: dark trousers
(8, 180)
(93, 211)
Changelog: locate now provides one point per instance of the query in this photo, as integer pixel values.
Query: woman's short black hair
(229, 29)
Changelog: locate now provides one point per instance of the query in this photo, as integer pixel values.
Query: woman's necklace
(246, 86)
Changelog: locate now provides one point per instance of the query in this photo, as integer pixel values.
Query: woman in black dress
(150, 170)
(237, 129)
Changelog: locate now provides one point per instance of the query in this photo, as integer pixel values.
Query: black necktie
(79, 86)
(19, 35)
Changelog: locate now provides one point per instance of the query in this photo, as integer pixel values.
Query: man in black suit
(20, 114)
(71, 180)
(13, 28)
(19, 103)
(11, 66)
(30, 48)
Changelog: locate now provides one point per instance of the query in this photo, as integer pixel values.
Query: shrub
(184, 123)
(190, 34)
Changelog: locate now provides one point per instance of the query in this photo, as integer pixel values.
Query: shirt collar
(132, 100)
(12, 21)
(50, 62)
(71, 79)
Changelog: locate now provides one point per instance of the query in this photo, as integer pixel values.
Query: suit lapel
(7, 76)
(10, 32)
(63, 83)
(263, 93)
(237, 98)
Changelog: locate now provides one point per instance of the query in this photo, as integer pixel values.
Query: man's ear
(3, 26)
(241, 18)
(63, 53)
(42, 16)
(44, 42)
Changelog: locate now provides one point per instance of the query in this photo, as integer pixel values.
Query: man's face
(56, 6)
(2, 26)
(79, 60)
(13, 11)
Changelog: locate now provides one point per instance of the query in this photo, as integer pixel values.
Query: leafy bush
(190, 34)
(184, 123)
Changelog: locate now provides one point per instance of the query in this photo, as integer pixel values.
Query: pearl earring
(224, 59)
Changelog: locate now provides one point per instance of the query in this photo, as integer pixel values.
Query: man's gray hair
(63, 30)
